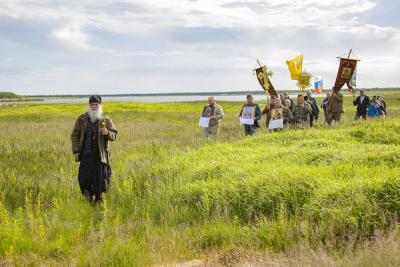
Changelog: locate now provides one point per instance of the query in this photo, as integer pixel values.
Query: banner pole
(351, 50)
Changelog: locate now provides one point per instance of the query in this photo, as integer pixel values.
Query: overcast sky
(140, 46)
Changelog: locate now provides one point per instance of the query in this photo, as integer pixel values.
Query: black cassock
(93, 174)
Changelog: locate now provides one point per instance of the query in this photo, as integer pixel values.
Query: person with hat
(90, 145)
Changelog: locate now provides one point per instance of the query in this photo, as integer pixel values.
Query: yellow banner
(295, 67)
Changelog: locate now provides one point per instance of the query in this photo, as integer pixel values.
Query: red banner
(345, 73)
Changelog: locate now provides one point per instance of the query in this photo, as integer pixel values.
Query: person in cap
(90, 145)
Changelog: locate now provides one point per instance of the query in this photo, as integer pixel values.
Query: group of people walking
(300, 114)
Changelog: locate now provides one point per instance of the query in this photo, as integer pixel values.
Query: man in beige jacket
(215, 113)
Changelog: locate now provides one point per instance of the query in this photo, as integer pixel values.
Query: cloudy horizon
(137, 46)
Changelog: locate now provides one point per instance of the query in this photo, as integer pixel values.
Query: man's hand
(104, 131)
(76, 155)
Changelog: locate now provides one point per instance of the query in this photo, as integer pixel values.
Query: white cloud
(214, 42)
(71, 35)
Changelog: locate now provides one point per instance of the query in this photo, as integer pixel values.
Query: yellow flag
(295, 67)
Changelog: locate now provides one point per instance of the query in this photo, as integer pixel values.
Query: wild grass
(175, 196)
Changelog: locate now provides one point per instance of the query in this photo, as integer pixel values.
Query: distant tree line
(8, 95)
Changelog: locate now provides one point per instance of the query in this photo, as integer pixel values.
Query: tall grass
(175, 196)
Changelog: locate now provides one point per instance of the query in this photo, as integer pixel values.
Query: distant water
(148, 99)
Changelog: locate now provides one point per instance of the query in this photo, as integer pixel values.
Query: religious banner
(207, 111)
(295, 67)
(353, 82)
(275, 124)
(345, 73)
(263, 75)
(276, 121)
(318, 85)
(204, 122)
(248, 113)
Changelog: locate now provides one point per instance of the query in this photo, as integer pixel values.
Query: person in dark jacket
(314, 102)
(362, 102)
(90, 144)
(314, 110)
(324, 106)
(382, 105)
(250, 130)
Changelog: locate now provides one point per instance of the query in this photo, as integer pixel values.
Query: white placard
(204, 122)
(275, 124)
(246, 121)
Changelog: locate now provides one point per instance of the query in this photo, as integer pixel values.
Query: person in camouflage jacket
(301, 113)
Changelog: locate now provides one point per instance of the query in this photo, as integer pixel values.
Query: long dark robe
(93, 174)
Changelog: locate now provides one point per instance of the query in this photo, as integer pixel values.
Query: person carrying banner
(249, 130)
(215, 113)
(274, 112)
(301, 113)
(362, 102)
(335, 107)
(268, 108)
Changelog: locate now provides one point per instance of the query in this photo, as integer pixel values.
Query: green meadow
(327, 196)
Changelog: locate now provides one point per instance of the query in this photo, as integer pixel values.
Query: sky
(148, 46)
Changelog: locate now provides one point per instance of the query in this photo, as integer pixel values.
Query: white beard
(95, 115)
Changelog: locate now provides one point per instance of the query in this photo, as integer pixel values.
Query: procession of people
(301, 113)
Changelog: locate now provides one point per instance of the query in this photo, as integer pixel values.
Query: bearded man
(90, 146)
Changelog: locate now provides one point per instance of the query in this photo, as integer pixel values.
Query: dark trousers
(249, 130)
(93, 177)
(358, 115)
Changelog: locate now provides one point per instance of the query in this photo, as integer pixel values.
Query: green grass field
(321, 194)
